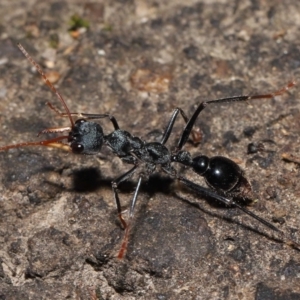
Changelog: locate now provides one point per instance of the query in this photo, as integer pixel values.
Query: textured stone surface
(59, 233)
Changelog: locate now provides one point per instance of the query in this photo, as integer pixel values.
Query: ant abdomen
(219, 172)
(222, 174)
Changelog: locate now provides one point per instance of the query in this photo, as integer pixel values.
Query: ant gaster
(224, 177)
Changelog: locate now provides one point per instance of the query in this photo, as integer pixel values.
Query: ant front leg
(127, 229)
(79, 115)
(125, 224)
(114, 186)
(98, 116)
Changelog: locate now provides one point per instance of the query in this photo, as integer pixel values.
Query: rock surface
(138, 60)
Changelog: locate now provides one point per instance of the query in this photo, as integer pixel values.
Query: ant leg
(170, 125)
(114, 186)
(100, 116)
(133, 201)
(86, 116)
(127, 229)
(209, 193)
(125, 224)
(188, 128)
(82, 115)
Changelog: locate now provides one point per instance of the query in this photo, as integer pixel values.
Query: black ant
(224, 177)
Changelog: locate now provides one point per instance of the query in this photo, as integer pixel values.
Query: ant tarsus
(224, 177)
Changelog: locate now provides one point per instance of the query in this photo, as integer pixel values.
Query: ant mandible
(224, 177)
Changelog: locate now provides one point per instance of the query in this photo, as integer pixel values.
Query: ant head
(86, 137)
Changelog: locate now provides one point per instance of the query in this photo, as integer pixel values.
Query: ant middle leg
(170, 125)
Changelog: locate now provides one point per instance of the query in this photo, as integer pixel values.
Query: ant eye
(77, 148)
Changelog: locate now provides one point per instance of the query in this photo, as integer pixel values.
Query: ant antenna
(49, 84)
(55, 142)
